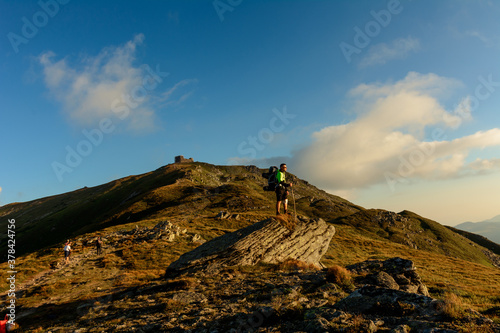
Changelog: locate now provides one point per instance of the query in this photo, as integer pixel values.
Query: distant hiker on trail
(5, 325)
(98, 245)
(67, 251)
(281, 189)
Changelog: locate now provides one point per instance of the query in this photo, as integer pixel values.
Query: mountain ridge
(150, 220)
(493, 219)
(489, 228)
(188, 189)
(44, 221)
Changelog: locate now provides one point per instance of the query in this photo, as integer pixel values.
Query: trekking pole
(294, 210)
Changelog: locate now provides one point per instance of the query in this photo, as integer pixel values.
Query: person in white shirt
(67, 251)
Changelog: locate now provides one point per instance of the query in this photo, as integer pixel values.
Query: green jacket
(281, 178)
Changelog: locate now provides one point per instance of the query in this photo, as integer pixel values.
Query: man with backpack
(281, 189)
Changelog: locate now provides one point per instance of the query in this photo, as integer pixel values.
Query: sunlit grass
(193, 203)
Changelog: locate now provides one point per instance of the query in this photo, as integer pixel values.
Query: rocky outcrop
(387, 218)
(393, 292)
(266, 298)
(494, 258)
(272, 241)
(395, 273)
(382, 301)
(163, 231)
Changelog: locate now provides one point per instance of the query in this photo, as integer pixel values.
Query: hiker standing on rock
(67, 251)
(281, 189)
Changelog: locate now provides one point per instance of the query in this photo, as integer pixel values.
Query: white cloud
(388, 138)
(382, 53)
(175, 95)
(488, 41)
(106, 85)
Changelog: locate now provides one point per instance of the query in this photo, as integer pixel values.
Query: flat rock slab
(271, 241)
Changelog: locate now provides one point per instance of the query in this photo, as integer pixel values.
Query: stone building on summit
(181, 159)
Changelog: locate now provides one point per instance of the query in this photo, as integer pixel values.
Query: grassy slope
(475, 283)
(194, 187)
(126, 267)
(200, 189)
(481, 240)
(191, 195)
(50, 220)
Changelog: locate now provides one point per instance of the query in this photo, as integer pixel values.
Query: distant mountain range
(488, 228)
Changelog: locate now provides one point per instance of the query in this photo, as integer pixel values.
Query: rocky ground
(278, 298)
(287, 296)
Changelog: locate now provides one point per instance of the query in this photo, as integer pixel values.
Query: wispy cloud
(390, 128)
(382, 53)
(176, 95)
(89, 89)
(488, 41)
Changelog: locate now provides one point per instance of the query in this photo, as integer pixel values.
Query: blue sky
(390, 104)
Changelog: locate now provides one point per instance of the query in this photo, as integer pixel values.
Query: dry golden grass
(453, 306)
(339, 275)
(293, 264)
(476, 284)
(287, 221)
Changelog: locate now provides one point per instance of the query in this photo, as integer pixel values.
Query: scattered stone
(379, 301)
(383, 279)
(56, 264)
(401, 329)
(223, 215)
(268, 299)
(189, 297)
(395, 273)
(170, 237)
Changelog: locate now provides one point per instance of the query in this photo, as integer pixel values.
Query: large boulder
(272, 241)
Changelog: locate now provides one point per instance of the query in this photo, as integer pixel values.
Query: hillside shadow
(49, 315)
(104, 313)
